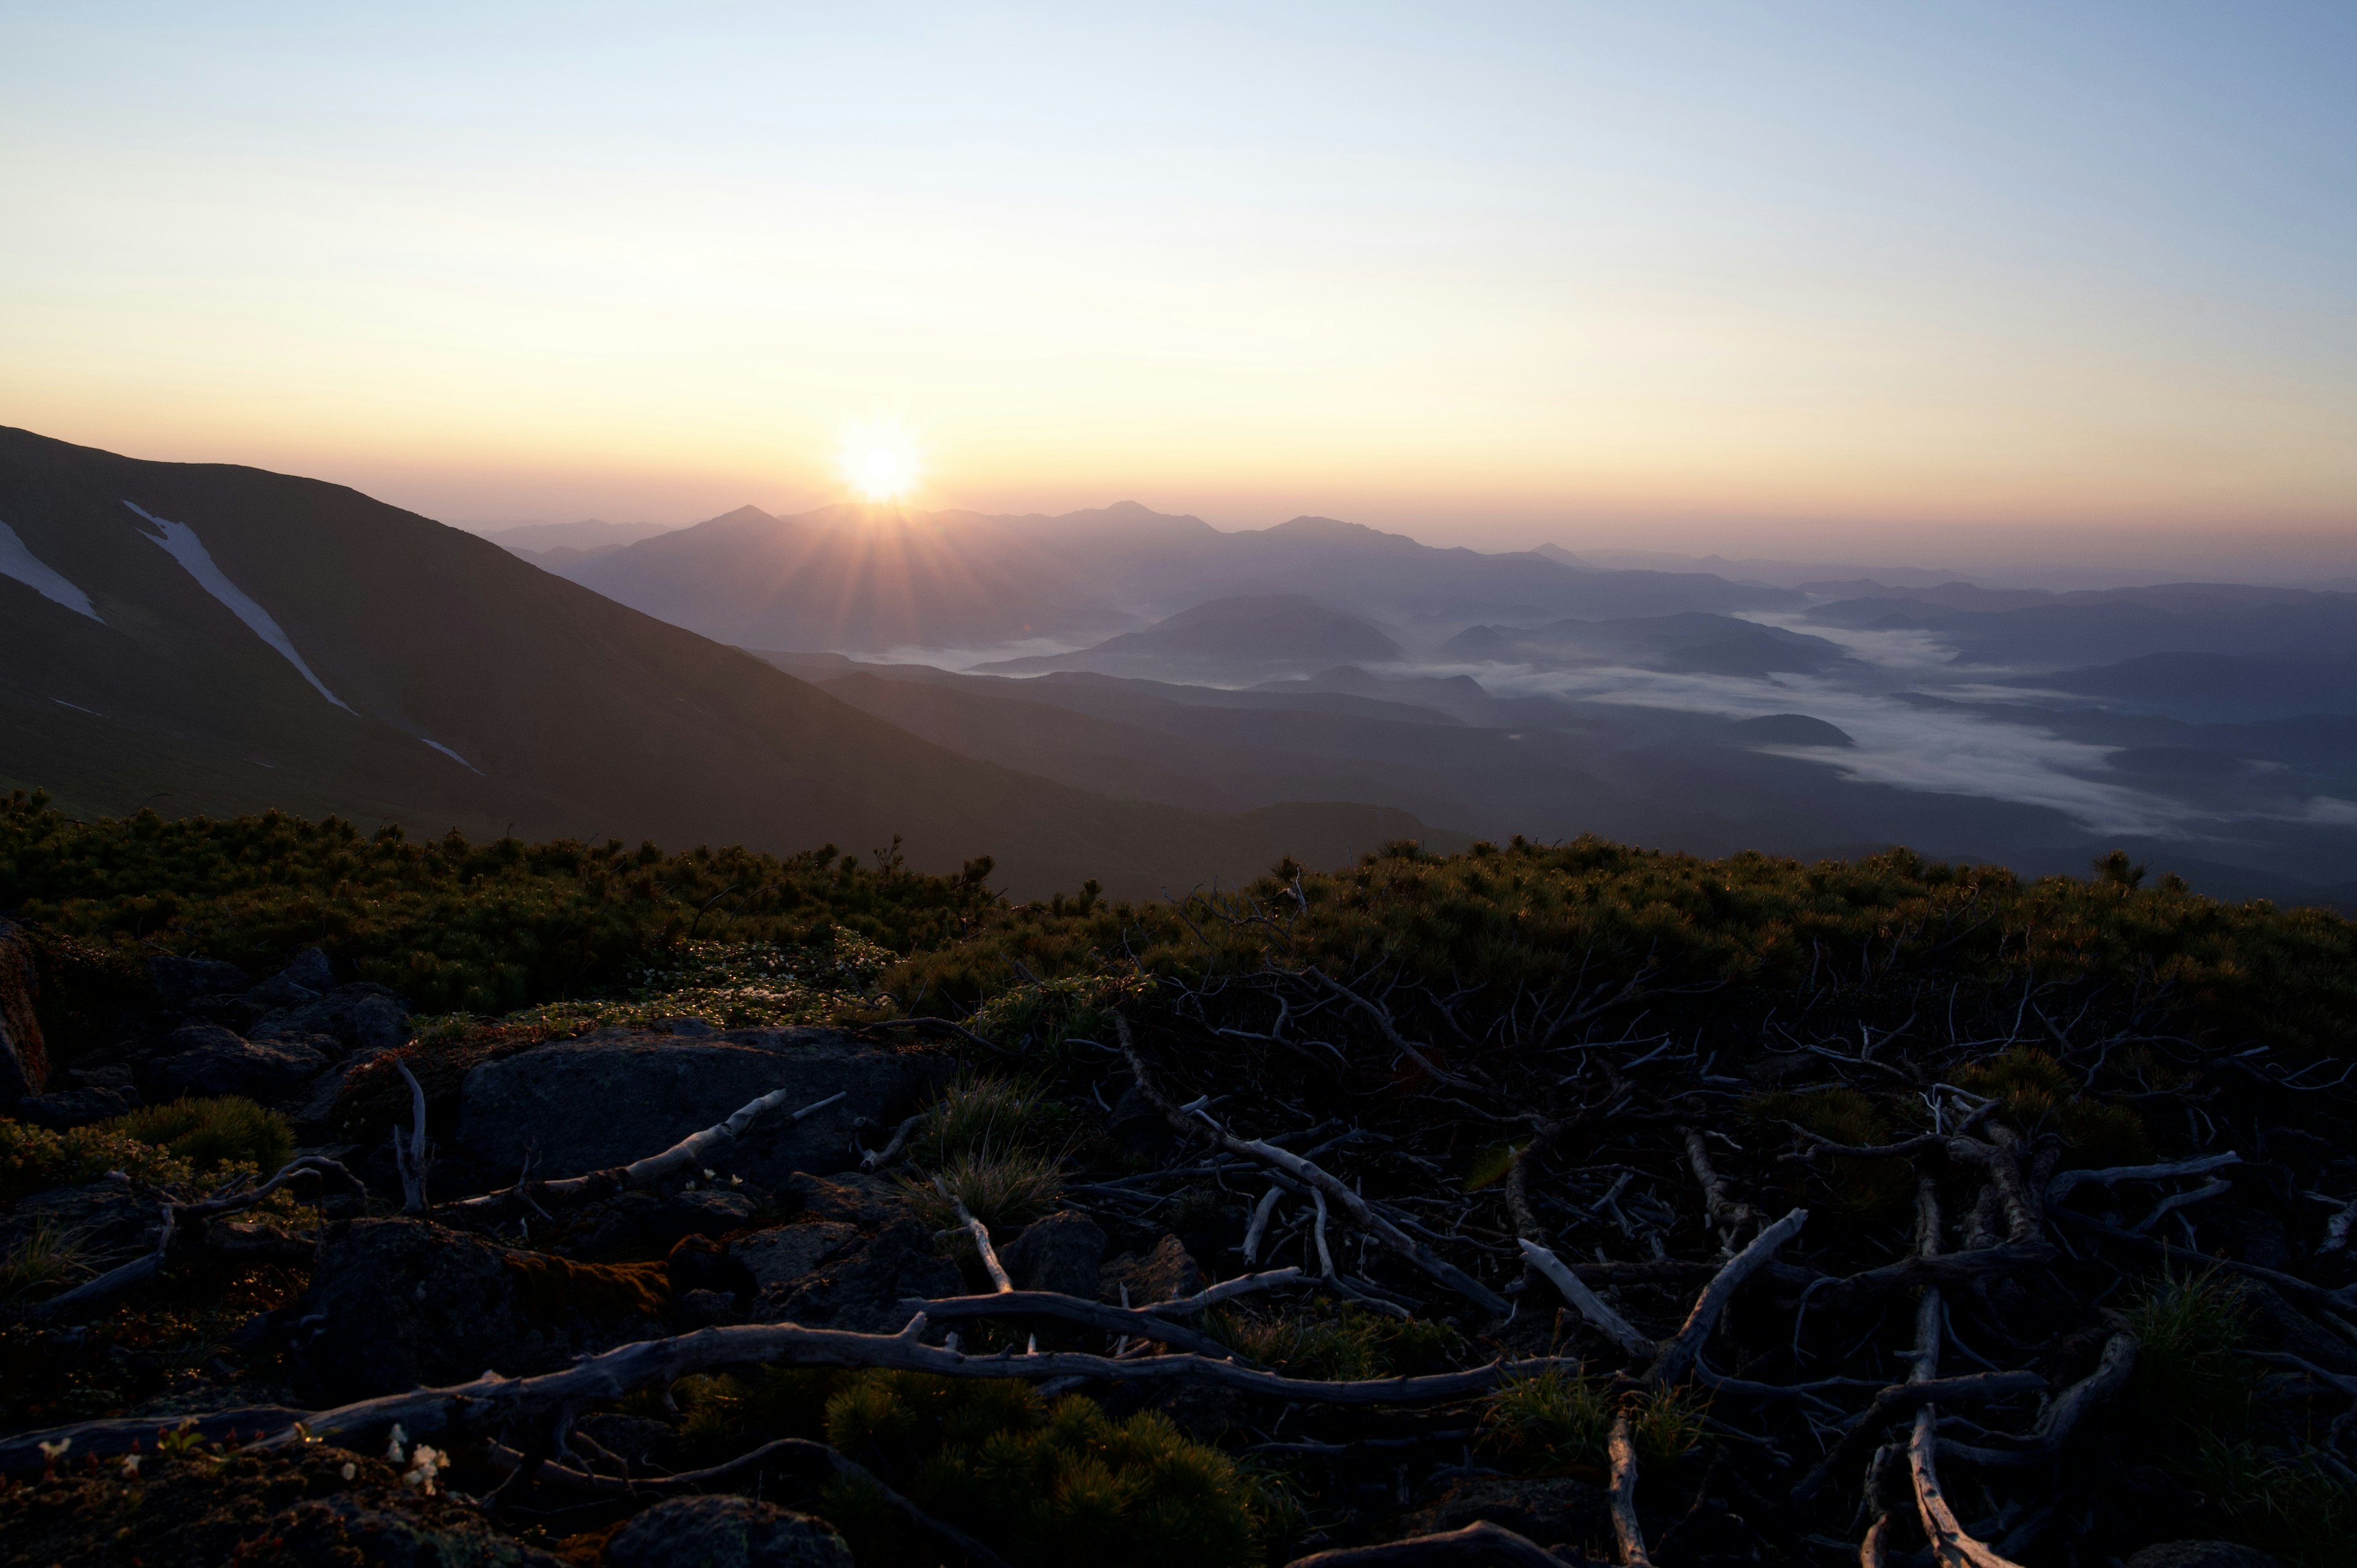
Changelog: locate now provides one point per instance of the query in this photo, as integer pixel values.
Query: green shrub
(34, 1158)
(1338, 1342)
(1053, 1485)
(1554, 1423)
(209, 1134)
(1001, 1190)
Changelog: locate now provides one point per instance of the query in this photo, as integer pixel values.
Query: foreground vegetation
(1524, 1044)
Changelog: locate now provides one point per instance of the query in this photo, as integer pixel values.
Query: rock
(2279, 1326)
(71, 1108)
(1062, 1252)
(726, 1532)
(395, 1304)
(699, 1264)
(1138, 1126)
(649, 1224)
(111, 1223)
(315, 1116)
(861, 1287)
(180, 980)
(23, 1060)
(777, 1260)
(2241, 1231)
(207, 1059)
(853, 1198)
(360, 1018)
(2201, 1554)
(272, 1508)
(309, 977)
(618, 1095)
(1554, 1512)
(1166, 1273)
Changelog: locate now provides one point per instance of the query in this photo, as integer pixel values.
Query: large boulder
(1062, 1252)
(23, 1060)
(861, 1287)
(356, 1018)
(106, 1221)
(68, 1108)
(647, 1224)
(618, 1095)
(397, 1304)
(726, 1532)
(181, 981)
(202, 1059)
(306, 980)
(779, 1259)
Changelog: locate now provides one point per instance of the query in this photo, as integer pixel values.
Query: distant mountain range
(204, 637)
(870, 579)
(1246, 637)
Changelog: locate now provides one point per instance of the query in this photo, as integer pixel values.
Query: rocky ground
(680, 1294)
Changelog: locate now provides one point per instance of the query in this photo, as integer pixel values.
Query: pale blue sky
(1681, 274)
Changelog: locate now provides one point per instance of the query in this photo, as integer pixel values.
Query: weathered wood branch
(1589, 1306)
(1482, 1545)
(1627, 1528)
(493, 1401)
(1137, 1322)
(1678, 1353)
(2066, 1182)
(1861, 1431)
(690, 1152)
(1360, 1212)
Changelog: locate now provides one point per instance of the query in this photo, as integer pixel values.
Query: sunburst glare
(880, 461)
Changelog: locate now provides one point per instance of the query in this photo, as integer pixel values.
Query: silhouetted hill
(256, 640)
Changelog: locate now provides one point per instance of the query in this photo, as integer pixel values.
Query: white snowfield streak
(17, 562)
(181, 544)
(452, 754)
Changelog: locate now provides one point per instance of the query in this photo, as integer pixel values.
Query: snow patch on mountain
(452, 754)
(181, 544)
(20, 563)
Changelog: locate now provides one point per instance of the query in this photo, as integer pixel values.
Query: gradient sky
(1899, 282)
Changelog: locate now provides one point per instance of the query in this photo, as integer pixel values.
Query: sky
(1939, 284)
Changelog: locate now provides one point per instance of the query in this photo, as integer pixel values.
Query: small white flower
(53, 1451)
(131, 1467)
(429, 1463)
(351, 1469)
(689, 1187)
(707, 1176)
(394, 1450)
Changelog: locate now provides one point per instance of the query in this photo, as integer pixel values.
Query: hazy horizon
(2004, 285)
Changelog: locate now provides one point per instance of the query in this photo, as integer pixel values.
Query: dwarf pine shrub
(209, 1134)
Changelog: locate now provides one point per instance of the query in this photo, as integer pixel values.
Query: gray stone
(180, 980)
(207, 1059)
(862, 1286)
(1062, 1252)
(24, 1058)
(396, 1304)
(779, 1259)
(618, 1095)
(1166, 1273)
(649, 1224)
(854, 1198)
(70, 1108)
(1556, 1512)
(106, 1220)
(361, 1018)
(2201, 1554)
(726, 1532)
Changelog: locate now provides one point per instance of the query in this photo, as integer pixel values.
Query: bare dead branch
(1480, 1545)
(1360, 1213)
(1589, 1306)
(1678, 1353)
(1626, 1528)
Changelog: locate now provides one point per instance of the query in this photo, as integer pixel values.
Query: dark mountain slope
(1244, 636)
(1690, 642)
(458, 685)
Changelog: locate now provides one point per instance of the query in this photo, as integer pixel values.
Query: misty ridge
(2211, 728)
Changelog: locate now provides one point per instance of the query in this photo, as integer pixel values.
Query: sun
(880, 461)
